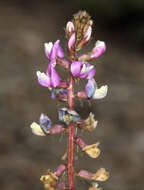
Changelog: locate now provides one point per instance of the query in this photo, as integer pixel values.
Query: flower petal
(98, 50)
(71, 41)
(54, 78)
(45, 123)
(60, 52)
(54, 50)
(43, 79)
(100, 92)
(48, 47)
(90, 87)
(36, 129)
(76, 68)
(91, 73)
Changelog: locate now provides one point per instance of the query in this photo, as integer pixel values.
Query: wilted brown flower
(101, 175)
(49, 180)
(92, 150)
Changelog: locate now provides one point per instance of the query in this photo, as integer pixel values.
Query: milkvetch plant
(78, 33)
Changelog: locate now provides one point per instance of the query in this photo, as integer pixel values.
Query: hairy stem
(71, 136)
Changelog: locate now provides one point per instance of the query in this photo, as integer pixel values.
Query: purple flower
(57, 92)
(90, 87)
(45, 123)
(98, 50)
(94, 92)
(82, 70)
(53, 50)
(44, 126)
(50, 78)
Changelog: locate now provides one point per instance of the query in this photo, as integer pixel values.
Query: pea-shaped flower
(42, 129)
(50, 78)
(65, 115)
(82, 70)
(94, 92)
(53, 50)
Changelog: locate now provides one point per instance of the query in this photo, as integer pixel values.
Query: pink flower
(98, 50)
(71, 41)
(82, 70)
(53, 50)
(50, 78)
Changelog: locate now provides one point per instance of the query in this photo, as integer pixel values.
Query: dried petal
(90, 122)
(49, 180)
(100, 175)
(92, 150)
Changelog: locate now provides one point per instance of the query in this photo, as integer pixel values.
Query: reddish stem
(71, 133)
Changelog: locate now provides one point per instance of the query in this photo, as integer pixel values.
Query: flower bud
(71, 42)
(70, 28)
(87, 34)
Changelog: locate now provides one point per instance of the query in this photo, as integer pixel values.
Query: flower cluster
(78, 33)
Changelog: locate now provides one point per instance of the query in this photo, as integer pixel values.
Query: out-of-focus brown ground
(23, 156)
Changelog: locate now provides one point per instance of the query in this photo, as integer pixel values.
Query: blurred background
(24, 27)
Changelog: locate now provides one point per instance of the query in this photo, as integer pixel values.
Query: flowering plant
(78, 32)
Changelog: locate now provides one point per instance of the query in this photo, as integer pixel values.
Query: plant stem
(71, 136)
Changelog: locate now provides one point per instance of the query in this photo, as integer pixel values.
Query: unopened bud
(71, 42)
(70, 28)
(100, 175)
(87, 34)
